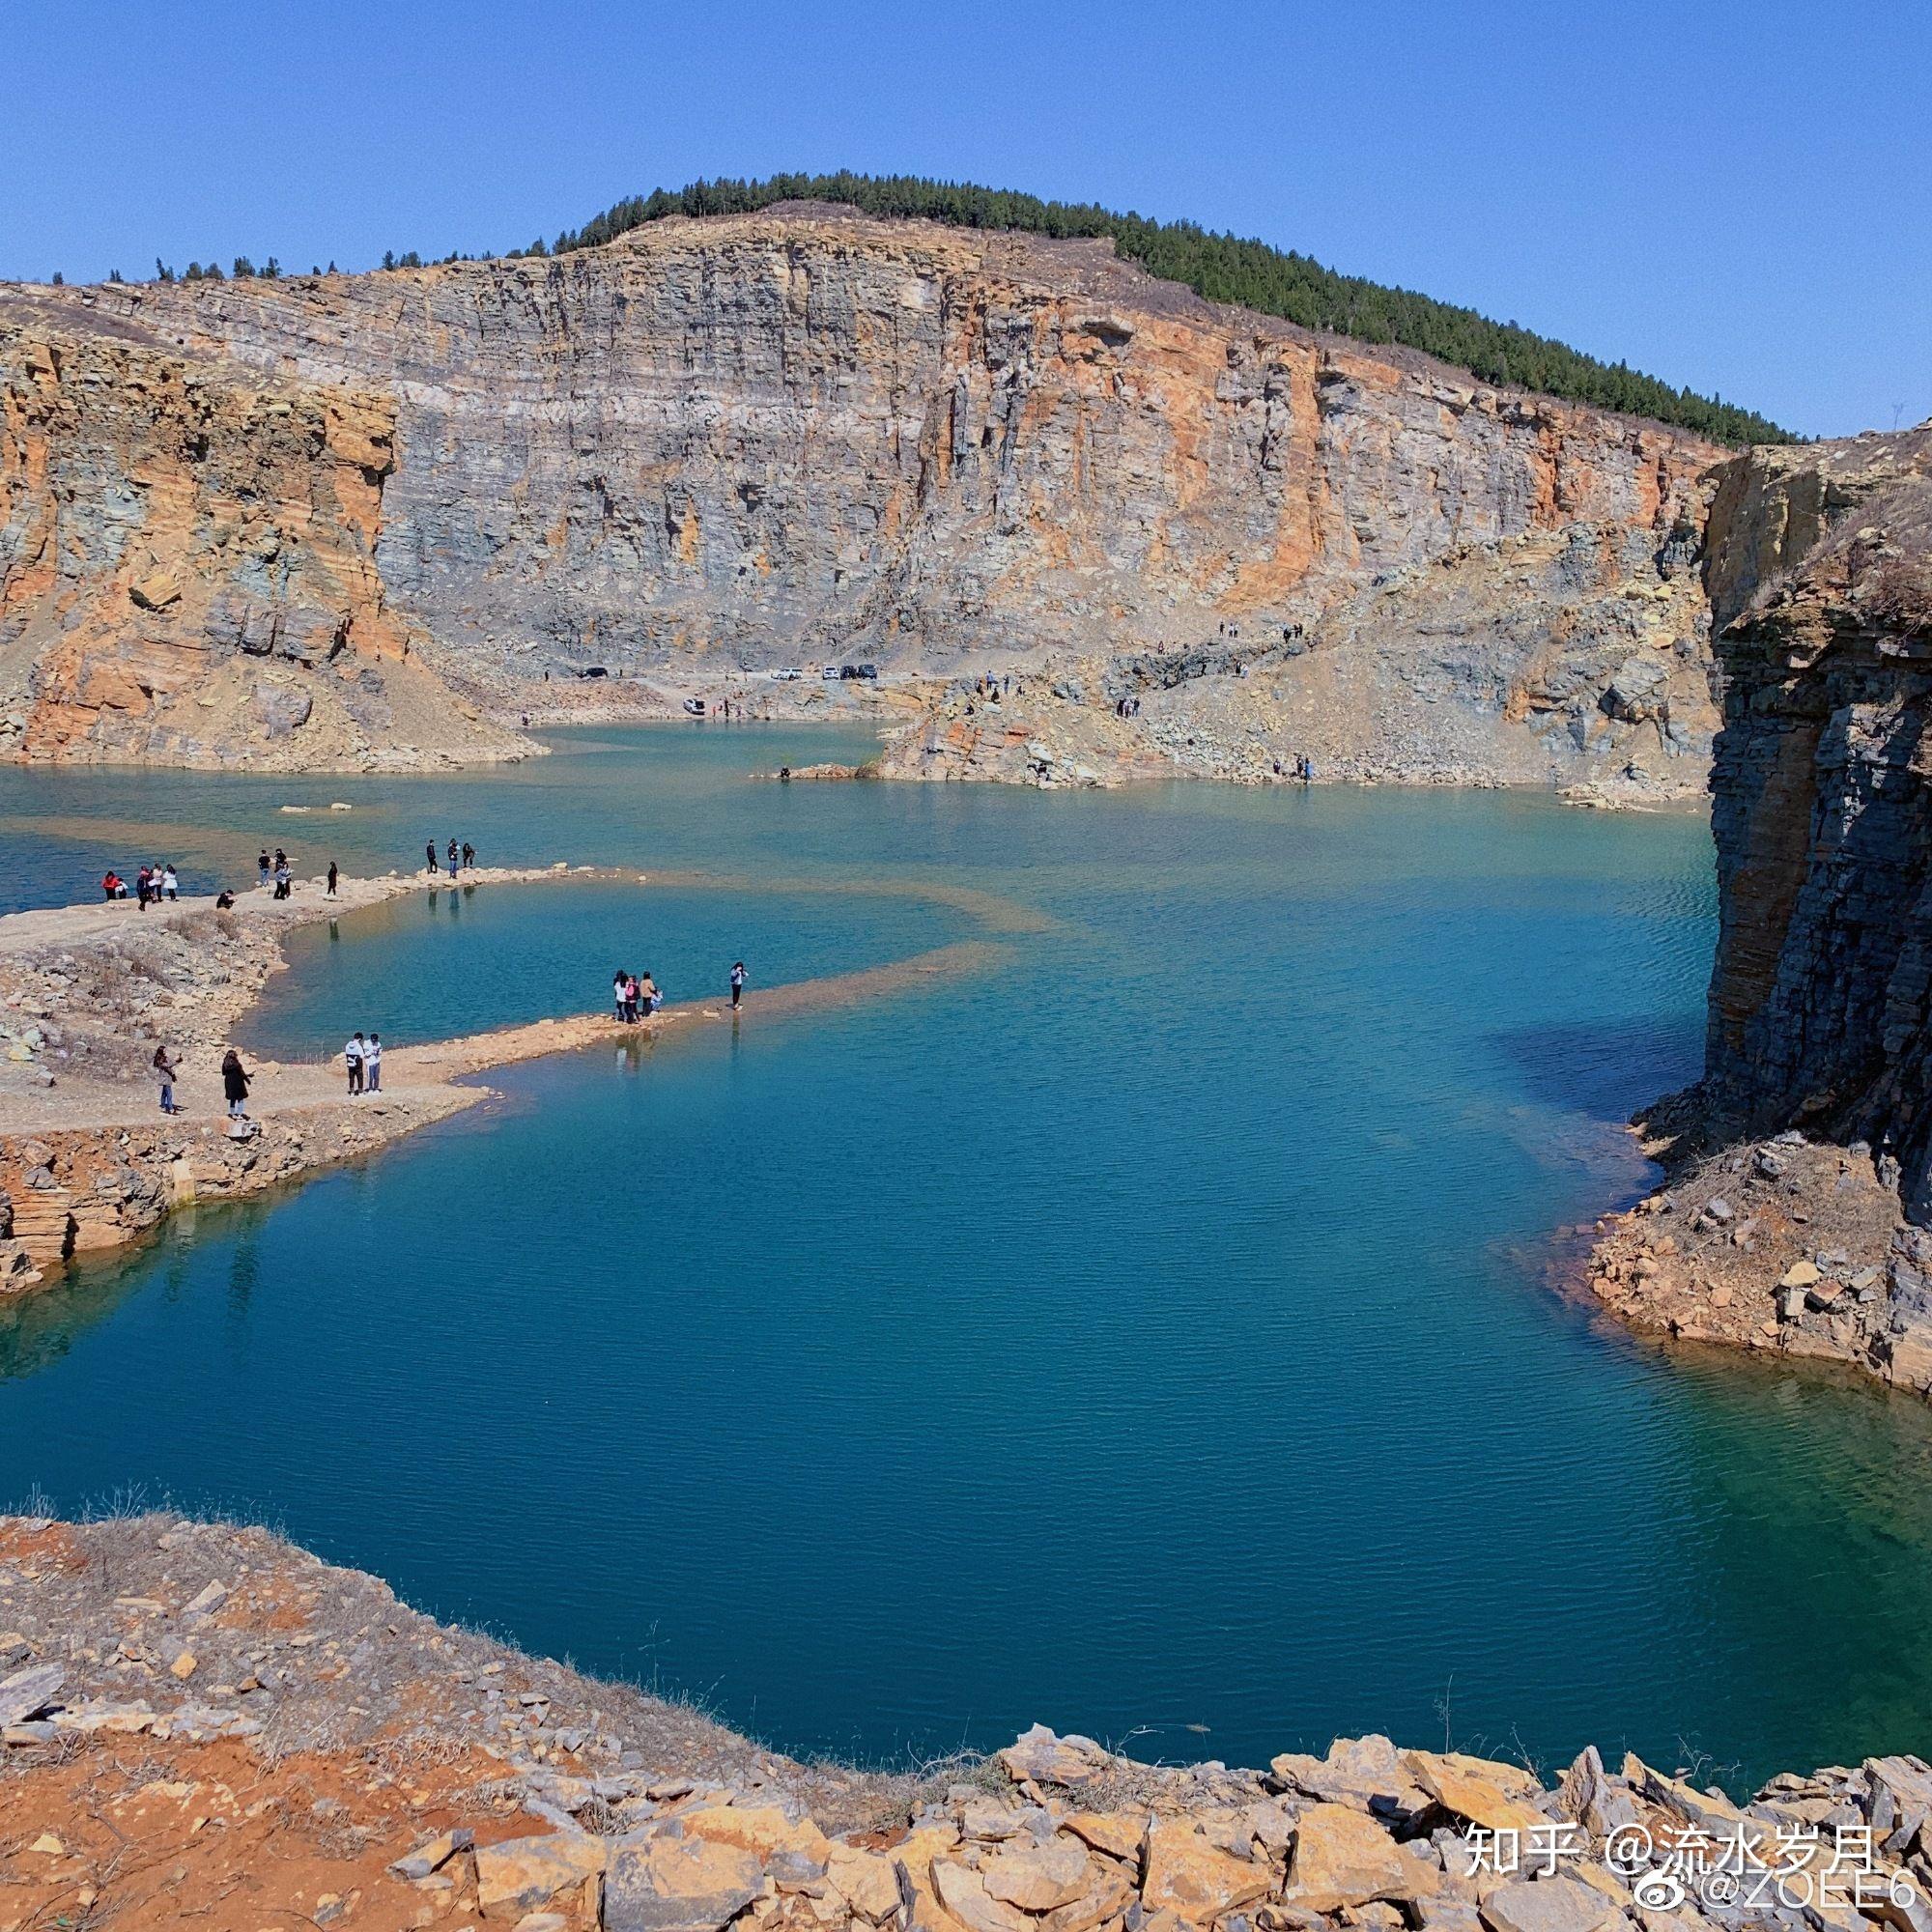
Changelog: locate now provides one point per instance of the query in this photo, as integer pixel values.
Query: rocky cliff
(807, 434)
(1820, 571)
(1804, 1158)
(187, 564)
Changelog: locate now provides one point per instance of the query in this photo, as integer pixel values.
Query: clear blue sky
(1737, 194)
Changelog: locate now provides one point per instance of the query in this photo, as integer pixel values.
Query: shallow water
(1148, 1332)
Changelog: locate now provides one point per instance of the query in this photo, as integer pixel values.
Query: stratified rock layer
(1820, 569)
(188, 566)
(809, 435)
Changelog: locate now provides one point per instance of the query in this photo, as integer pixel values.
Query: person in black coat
(234, 1084)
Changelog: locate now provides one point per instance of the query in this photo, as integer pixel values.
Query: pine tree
(388, 258)
(162, 272)
(59, 281)
(114, 275)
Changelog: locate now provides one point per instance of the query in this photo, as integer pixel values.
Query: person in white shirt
(353, 1052)
(372, 1065)
(170, 885)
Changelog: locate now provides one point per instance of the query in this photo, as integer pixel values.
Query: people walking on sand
(333, 876)
(430, 852)
(170, 882)
(352, 1051)
(469, 856)
(372, 1065)
(235, 1085)
(165, 1069)
(262, 866)
(737, 983)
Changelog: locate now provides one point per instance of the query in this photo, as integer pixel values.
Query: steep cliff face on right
(1819, 567)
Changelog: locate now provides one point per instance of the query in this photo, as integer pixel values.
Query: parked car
(695, 706)
(867, 671)
(593, 671)
(786, 674)
(830, 674)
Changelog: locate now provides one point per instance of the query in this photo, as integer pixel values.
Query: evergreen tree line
(1225, 268)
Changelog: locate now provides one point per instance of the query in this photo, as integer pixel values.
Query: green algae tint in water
(1145, 1332)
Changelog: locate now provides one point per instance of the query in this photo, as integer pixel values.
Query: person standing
(141, 879)
(620, 994)
(262, 866)
(737, 984)
(284, 878)
(331, 878)
(372, 1065)
(170, 882)
(430, 852)
(165, 1069)
(452, 857)
(235, 1085)
(648, 999)
(352, 1052)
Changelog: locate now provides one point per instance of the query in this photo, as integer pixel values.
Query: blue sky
(1736, 196)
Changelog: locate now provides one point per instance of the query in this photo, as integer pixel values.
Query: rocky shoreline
(202, 1723)
(87, 1165)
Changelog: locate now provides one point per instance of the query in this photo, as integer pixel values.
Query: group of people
(152, 885)
(458, 856)
(637, 997)
(235, 1081)
(364, 1059)
(279, 875)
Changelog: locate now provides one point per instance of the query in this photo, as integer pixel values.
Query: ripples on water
(1144, 1334)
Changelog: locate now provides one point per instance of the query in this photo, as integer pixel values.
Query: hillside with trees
(1224, 268)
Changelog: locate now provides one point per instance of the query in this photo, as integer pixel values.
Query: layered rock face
(807, 434)
(187, 564)
(1820, 571)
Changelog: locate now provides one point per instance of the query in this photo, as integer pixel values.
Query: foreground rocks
(204, 1725)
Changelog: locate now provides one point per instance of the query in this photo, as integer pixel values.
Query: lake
(1149, 1333)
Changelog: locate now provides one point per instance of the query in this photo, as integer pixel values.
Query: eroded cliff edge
(807, 434)
(1802, 1193)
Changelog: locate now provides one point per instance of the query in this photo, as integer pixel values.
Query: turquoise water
(1147, 1332)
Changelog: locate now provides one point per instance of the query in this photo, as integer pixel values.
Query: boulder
(280, 709)
(658, 1883)
(1588, 1795)
(1473, 1789)
(1118, 1833)
(1188, 1876)
(1548, 1905)
(864, 1880)
(1342, 1857)
(762, 1828)
(1038, 1878)
(1356, 1770)
(29, 1692)
(524, 1875)
(1042, 1757)
(963, 1893)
